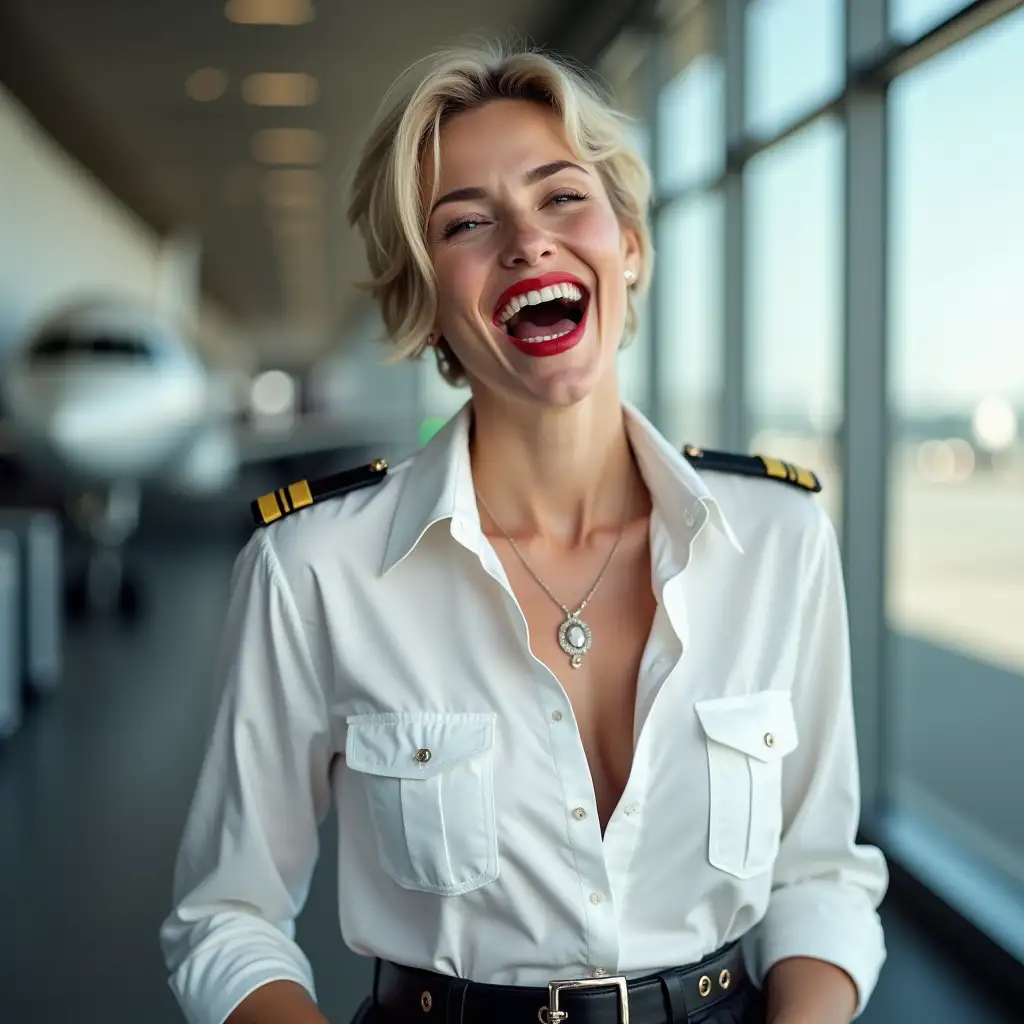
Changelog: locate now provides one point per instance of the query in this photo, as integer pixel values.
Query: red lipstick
(535, 284)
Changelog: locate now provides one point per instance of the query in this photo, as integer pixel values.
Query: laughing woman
(581, 702)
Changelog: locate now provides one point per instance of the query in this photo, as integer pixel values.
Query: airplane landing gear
(105, 585)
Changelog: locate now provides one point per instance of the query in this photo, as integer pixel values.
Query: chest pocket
(429, 782)
(747, 738)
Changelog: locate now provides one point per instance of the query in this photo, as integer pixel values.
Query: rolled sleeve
(251, 839)
(826, 888)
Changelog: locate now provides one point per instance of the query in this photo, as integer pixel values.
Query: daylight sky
(957, 216)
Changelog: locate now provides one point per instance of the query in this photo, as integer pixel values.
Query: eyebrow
(531, 178)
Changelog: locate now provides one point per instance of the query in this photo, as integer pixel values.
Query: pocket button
(422, 755)
(769, 740)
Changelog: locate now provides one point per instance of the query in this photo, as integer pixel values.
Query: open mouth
(542, 314)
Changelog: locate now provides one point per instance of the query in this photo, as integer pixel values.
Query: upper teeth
(552, 292)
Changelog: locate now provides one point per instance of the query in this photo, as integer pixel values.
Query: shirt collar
(438, 485)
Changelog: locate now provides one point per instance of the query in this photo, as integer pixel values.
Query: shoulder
(322, 519)
(760, 495)
(762, 467)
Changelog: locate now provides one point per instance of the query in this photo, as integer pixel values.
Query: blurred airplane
(103, 398)
(107, 395)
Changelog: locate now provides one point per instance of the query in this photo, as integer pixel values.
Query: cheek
(461, 274)
(597, 232)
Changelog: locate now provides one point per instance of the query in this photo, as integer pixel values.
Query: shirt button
(579, 813)
(633, 809)
(556, 716)
(688, 518)
(600, 972)
(596, 897)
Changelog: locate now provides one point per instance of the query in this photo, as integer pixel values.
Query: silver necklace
(574, 635)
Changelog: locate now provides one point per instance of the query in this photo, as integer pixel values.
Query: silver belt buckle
(551, 1014)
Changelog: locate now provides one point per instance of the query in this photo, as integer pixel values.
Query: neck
(557, 474)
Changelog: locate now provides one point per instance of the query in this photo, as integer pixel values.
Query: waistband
(403, 994)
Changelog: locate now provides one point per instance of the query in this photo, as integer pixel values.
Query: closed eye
(569, 195)
(459, 225)
(562, 198)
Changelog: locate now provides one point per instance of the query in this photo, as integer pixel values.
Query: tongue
(538, 321)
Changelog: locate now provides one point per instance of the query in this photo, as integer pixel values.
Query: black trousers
(745, 1006)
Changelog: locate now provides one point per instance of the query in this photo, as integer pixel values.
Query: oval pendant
(575, 638)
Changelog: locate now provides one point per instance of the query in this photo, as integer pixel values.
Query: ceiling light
(288, 146)
(269, 12)
(206, 85)
(293, 189)
(267, 89)
(297, 230)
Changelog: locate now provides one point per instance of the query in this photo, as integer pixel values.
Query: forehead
(501, 139)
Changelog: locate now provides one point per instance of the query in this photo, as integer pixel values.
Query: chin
(571, 377)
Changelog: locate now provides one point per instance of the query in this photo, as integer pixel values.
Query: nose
(526, 243)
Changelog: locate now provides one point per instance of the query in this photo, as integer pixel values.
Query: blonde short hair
(389, 210)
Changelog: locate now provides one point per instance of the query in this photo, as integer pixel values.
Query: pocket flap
(760, 725)
(416, 745)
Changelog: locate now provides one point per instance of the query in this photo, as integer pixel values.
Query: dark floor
(93, 793)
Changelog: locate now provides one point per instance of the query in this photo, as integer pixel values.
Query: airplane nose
(113, 437)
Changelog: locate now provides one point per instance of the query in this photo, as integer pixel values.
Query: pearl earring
(628, 275)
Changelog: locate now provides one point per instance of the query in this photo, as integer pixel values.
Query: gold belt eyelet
(704, 986)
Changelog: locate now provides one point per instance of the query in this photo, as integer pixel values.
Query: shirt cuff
(209, 985)
(834, 923)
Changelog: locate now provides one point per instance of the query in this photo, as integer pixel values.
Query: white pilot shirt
(369, 628)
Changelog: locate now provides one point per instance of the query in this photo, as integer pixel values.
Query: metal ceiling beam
(583, 29)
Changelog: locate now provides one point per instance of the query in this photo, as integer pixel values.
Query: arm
(805, 991)
(277, 1002)
(820, 943)
(251, 840)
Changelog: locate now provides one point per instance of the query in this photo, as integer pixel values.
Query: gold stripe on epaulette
(269, 507)
(805, 478)
(300, 494)
(775, 467)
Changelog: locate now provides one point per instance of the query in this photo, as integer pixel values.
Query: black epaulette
(302, 493)
(752, 465)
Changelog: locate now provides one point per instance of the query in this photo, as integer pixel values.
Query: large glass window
(634, 362)
(955, 594)
(793, 313)
(912, 18)
(691, 120)
(794, 59)
(689, 311)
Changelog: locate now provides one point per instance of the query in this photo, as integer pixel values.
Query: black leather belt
(406, 994)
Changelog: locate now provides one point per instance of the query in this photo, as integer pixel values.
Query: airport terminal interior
(838, 219)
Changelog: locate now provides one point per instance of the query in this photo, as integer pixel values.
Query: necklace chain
(576, 649)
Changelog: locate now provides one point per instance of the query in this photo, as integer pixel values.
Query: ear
(631, 250)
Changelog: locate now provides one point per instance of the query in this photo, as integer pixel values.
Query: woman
(583, 710)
